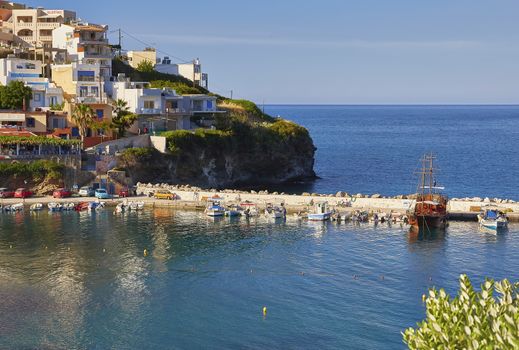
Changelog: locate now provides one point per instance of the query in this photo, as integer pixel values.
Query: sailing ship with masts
(430, 211)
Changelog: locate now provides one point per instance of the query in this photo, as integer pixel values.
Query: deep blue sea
(376, 149)
(82, 281)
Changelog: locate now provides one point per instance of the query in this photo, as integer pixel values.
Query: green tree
(146, 66)
(15, 95)
(472, 320)
(122, 118)
(83, 116)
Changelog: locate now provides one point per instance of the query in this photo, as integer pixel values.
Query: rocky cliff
(237, 153)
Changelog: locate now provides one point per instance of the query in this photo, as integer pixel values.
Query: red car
(5, 193)
(124, 193)
(22, 193)
(61, 193)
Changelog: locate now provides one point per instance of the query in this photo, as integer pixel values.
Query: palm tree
(83, 116)
(122, 118)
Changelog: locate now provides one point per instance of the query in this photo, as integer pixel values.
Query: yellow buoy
(145, 252)
(264, 311)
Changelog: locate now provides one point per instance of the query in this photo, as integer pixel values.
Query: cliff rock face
(240, 155)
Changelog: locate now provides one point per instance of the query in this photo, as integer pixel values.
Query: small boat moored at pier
(275, 212)
(54, 207)
(493, 219)
(321, 212)
(83, 206)
(36, 207)
(214, 208)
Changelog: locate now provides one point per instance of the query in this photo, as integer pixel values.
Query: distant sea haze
(376, 149)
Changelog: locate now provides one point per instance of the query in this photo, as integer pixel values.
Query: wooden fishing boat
(430, 211)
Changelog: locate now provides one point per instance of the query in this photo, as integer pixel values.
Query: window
(94, 90)
(83, 91)
(149, 104)
(53, 100)
(209, 104)
(83, 75)
(36, 97)
(100, 113)
(30, 122)
(55, 123)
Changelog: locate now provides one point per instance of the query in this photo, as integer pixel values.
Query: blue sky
(332, 51)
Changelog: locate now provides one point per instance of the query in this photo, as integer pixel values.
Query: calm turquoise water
(375, 149)
(81, 281)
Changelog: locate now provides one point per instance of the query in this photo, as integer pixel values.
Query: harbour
(188, 198)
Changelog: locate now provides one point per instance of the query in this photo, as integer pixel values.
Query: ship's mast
(431, 174)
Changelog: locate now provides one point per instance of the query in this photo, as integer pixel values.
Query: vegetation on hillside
(15, 95)
(472, 320)
(36, 140)
(139, 153)
(145, 66)
(235, 131)
(179, 87)
(33, 171)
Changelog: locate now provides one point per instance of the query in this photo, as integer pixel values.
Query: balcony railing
(90, 54)
(151, 111)
(48, 25)
(28, 39)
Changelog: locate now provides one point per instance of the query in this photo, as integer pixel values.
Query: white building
(44, 93)
(84, 43)
(158, 109)
(35, 26)
(83, 81)
(191, 71)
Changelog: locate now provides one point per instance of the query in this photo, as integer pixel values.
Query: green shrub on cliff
(180, 87)
(472, 320)
(138, 153)
(36, 170)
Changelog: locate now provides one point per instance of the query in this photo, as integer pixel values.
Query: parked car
(62, 193)
(125, 192)
(5, 193)
(86, 191)
(23, 193)
(163, 194)
(101, 193)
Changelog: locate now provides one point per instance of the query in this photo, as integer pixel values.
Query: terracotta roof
(15, 132)
(90, 28)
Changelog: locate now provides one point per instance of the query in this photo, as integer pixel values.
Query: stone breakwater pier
(195, 198)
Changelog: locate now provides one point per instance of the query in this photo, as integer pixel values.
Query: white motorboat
(14, 207)
(120, 208)
(55, 207)
(275, 212)
(249, 209)
(493, 219)
(69, 206)
(136, 206)
(214, 209)
(233, 211)
(321, 212)
(95, 206)
(36, 207)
